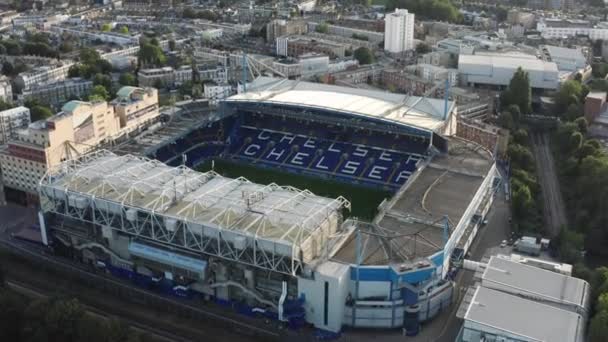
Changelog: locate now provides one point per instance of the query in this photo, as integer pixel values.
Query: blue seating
(350, 162)
(348, 154)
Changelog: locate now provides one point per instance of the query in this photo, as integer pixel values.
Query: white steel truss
(272, 227)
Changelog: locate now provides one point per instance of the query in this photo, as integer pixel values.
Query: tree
(501, 14)
(505, 120)
(423, 48)
(519, 92)
(149, 53)
(66, 47)
(569, 93)
(106, 28)
(8, 69)
(123, 30)
(40, 112)
(11, 316)
(521, 157)
(197, 90)
(598, 328)
(89, 56)
(103, 80)
(5, 106)
(322, 28)
(99, 93)
(364, 55)
(127, 79)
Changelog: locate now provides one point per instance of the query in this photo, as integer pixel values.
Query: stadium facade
(273, 249)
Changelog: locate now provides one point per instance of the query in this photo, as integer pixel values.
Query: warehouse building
(498, 70)
(512, 295)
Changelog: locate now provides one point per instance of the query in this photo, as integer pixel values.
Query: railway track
(152, 332)
(553, 204)
(209, 326)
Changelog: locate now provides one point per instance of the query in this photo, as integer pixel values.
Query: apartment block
(78, 128)
(6, 90)
(12, 120)
(42, 75)
(58, 93)
(135, 107)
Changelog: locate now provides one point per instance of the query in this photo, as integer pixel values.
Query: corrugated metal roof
(527, 319)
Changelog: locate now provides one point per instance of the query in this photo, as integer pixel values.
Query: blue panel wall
(371, 273)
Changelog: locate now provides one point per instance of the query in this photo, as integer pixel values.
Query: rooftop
(527, 319)
(419, 112)
(280, 214)
(564, 53)
(497, 61)
(415, 216)
(547, 285)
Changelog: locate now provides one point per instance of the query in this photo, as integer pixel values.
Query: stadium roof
(526, 319)
(280, 214)
(415, 111)
(542, 284)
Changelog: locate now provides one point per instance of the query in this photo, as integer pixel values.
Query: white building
(12, 120)
(569, 60)
(498, 70)
(212, 34)
(498, 316)
(58, 93)
(281, 46)
(550, 32)
(183, 74)
(399, 31)
(217, 92)
(314, 64)
(511, 297)
(6, 90)
(42, 75)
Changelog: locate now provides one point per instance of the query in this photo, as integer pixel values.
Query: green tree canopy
(423, 48)
(518, 92)
(322, 28)
(151, 54)
(40, 112)
(99, 93)
(127, 79)
(103, 80)
(106, 28)
(442, 10)
(569, 93)
(364, 55)
(123, 30)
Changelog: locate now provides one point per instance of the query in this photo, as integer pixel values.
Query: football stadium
(303, 202)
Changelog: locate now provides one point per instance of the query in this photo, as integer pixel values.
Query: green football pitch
(364, 200)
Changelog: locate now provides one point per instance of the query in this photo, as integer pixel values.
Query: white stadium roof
(203, 201)
(424, 113)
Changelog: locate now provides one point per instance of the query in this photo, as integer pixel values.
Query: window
(326, 300)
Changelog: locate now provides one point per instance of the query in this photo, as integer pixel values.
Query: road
(553, 203)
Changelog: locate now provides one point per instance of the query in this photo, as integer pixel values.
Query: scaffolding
(277, 228)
